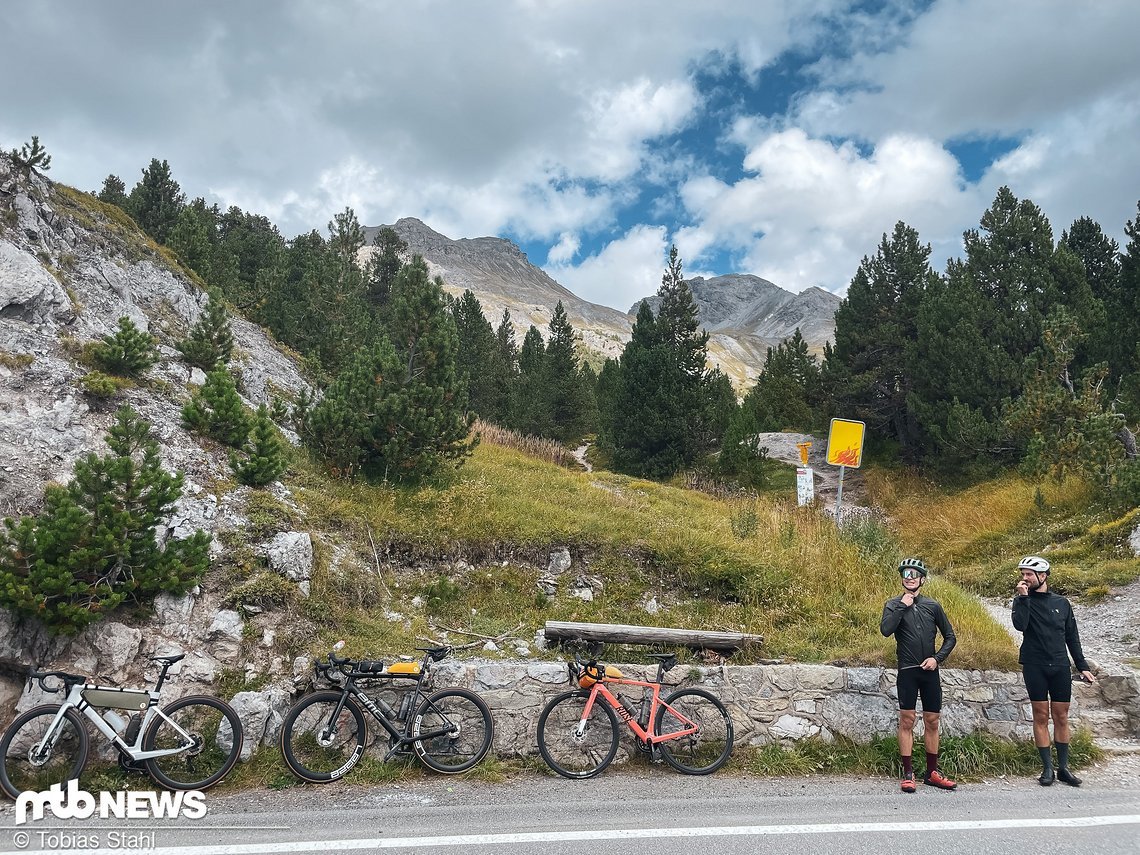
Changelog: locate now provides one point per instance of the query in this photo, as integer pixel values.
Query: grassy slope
(977, 536)
(759, 566)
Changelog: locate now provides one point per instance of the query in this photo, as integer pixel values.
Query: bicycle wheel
(708, 746)
(467, 729)
(210, 740)
(317, 744)
(568, 752)
(22, 768)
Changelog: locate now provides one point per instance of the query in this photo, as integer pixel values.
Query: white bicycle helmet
(913, 564)
(1034, 563)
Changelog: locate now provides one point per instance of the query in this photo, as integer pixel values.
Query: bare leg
(1041, 723)
(906, 732)
(1061, 730)
(930, 725)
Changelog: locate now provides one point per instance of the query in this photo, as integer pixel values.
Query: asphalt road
(630, 812)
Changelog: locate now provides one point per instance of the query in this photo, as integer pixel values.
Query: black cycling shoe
(1067, 777)
(1047, 778)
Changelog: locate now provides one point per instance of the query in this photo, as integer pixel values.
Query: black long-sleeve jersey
(1047, 622)
(914, 630)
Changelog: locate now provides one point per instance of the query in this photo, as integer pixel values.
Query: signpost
(844, 448)
(805, 478)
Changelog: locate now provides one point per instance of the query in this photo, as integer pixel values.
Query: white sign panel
(805, 486)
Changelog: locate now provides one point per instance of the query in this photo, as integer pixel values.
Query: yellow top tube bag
(592, 673)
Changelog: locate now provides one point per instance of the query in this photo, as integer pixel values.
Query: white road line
(471, 840)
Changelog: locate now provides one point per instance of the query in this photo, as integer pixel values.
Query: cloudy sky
(775, 138)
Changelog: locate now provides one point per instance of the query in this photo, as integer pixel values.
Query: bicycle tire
(19, 773)
(704, 751)
(318, 758)
(216, 734)
(563, 750)
(470, 725)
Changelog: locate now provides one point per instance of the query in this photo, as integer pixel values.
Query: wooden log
(615, 633)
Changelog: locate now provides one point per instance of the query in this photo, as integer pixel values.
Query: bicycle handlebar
(67, 680)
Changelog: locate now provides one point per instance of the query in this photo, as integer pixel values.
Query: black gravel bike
(190, 744)
(325, 733)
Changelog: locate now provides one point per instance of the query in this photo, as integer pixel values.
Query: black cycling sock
(1062, 755)
(908, 765)
(1047, 758)
(931, 762)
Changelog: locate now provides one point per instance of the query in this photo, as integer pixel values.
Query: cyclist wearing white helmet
(914, 620)
(1049, 636)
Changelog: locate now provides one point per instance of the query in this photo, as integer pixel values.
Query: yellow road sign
(845, 443)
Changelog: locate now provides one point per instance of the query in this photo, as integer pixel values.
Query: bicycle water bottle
(115, 720)
(405, 707)
(643, 713)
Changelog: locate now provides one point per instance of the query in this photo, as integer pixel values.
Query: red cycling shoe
(937, 779)
(907, 784)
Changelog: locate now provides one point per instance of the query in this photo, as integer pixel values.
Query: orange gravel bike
(578, 730)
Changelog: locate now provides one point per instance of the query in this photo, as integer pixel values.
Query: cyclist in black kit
(1047, 622)
(913, 620)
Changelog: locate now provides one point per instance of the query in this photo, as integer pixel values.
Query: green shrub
(216, 410)
(264, 456)
(93, 546)
(211, 341)
(127, 353)
(99, 385)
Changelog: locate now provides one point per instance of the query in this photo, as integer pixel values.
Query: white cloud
(625, 270)
(811, 209)
(564, 251)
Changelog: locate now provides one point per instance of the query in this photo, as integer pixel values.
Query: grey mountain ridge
(745, 314)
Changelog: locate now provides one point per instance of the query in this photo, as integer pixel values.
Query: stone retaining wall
(773, 703)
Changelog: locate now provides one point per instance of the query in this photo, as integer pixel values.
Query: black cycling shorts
(914, 681)
(1048, 682)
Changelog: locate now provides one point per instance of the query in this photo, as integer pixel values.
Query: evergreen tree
(1099, 257)
(781, 398)
(507, 369)
(128, 352)
(1069, 424)
(215, 410)
(742, 457)
(1125, 310)
(386, 261)
(264, 456)
(94, 545)
(531, 413)
(399, 411)
(648, 425)
(193, 236)
(113, 192)
(567, 398)
(211, 341)
(29, 157)
(156, 201)
(478, 358)
(874, 326)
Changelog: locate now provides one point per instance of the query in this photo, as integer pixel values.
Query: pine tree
(478, 358)
(1068, 422)
(648, 428)
(386, 261)
(211, 341)
(531, 411)
(113, 192)
(398, 411)
(193, 236)
(29, 157)
(742, 457)
(507, 370)
(128, 352)
(264, 456)
(781, 398)
(216, 410)
(874, 326)
(94, 545)
(156, 201)
(567, 398)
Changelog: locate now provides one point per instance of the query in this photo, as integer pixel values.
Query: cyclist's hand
(930, 664)
(908, 599)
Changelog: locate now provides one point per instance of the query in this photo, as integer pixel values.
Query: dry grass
(815, 595)
(533, 446)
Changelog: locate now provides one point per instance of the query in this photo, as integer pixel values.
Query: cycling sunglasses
(911, 574)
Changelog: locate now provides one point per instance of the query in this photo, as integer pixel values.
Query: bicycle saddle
(169, 660)
(436, 653)
(667, 660)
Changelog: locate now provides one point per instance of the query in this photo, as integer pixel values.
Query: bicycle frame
(643, 733)
(403, 737)
(74, 700)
